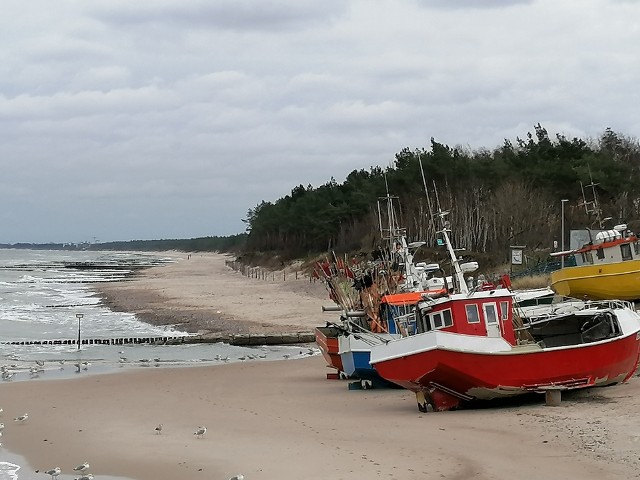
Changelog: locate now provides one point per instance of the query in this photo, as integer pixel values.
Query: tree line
(507, 196)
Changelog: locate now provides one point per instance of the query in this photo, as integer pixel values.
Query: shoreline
(283, 419)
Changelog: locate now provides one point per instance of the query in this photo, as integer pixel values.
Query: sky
(124, 120)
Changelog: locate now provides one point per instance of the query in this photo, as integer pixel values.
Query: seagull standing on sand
(54, 472)
(81, 468)
(21, 418)
(200, 432)
(237, 477)
(88, 476)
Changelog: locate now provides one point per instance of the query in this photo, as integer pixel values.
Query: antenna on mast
(592, 208)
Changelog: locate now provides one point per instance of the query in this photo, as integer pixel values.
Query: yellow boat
(606, 268)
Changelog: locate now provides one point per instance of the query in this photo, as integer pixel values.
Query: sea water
(47, 295)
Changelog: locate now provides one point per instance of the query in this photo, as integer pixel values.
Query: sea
(47, 295)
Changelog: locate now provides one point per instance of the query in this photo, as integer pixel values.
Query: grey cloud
(472, 4)
(244, 15)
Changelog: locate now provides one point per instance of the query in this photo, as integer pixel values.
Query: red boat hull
(481, 376)
(327, 341)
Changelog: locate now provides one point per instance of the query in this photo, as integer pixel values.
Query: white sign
(516, 257)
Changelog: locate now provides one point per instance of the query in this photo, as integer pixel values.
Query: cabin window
(625, 250)
(504, 311)
(472, 313)
(437, 320)
(600, 253)
(636, 248)
(587, 257)
(490, 313)
(447, 319)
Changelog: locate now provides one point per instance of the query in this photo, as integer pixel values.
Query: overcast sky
(125, 120)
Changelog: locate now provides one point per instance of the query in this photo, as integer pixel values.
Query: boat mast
(444, 231)
(397, 239)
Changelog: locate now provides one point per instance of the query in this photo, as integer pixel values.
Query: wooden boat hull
(599, 282)
(458, 375)
(327, 341)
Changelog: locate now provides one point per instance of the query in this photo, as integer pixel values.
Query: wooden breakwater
(240, 339)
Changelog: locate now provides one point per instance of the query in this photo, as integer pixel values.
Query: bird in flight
(200, 431)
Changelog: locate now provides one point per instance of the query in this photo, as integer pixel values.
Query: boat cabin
(486, 314)
(609, 246)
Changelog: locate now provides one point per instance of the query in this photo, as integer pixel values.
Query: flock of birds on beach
(7, 372)
(83, 468)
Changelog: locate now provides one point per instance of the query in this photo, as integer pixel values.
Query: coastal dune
(284, 420)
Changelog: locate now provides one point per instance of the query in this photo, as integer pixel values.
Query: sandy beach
(200, 294)
(283, 419)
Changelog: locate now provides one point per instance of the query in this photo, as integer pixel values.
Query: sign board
(516, 257)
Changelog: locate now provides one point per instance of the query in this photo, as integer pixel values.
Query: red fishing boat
(469, 345)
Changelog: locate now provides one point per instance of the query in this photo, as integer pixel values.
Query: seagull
(286, 356)
(40, 363)
(81, 468)
(1, 410)
(88, 476)
(21, 418)
(200, 432)
(54, 472)
(237, 477)
(159, 429)
(1, 426)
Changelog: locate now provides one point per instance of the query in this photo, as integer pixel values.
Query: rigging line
(426, 192)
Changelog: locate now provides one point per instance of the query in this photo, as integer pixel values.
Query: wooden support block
(553, 397)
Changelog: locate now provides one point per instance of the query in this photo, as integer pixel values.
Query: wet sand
(284, 420)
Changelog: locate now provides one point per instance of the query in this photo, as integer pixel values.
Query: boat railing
(364, 334)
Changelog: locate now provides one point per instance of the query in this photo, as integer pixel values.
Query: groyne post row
(244, 339)
(263, 274)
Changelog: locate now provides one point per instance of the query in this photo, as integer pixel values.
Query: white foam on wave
(8, 470)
